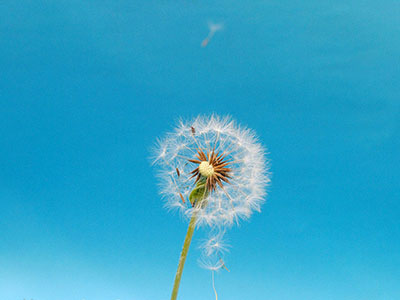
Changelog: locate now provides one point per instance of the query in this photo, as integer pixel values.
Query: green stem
(185, 249)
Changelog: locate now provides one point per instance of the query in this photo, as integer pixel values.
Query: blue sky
(87, 86)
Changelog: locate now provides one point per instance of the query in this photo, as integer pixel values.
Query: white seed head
(206, 169)
(248, 166)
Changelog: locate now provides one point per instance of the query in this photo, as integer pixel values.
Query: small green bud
(199, 193)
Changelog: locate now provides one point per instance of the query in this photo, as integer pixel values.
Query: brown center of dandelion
(213, 167)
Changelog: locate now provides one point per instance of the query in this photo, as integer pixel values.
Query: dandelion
(214, 172)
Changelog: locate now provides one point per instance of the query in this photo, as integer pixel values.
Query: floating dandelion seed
(215, 245)
(213, 28)
(221, 168)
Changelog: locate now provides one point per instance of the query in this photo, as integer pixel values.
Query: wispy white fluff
(211, 264)
(215, 244)
(237, 200)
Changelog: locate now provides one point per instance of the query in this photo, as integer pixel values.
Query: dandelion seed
(214, 244)
(213, 28)
(210, 263)
(221, 168)
(183, 199)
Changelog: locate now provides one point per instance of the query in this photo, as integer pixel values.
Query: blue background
(87, 86)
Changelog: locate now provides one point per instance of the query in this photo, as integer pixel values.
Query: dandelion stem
(185, 249)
